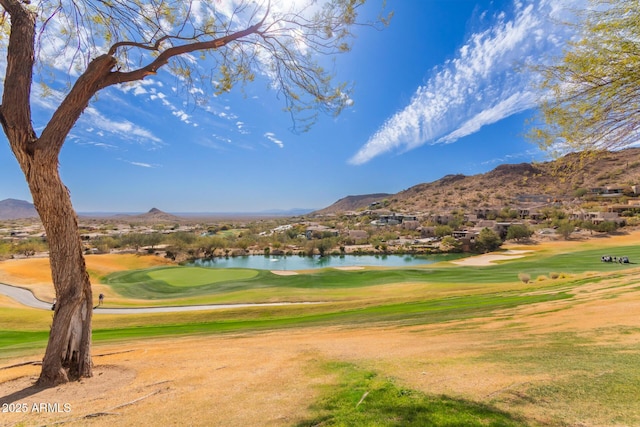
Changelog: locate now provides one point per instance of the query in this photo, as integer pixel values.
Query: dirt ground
(270, 379)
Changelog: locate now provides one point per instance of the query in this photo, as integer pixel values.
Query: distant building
(534, 198)
(317, 231)
(394, 219)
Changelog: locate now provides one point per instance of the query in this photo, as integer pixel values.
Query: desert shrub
(524, 277)
(518, 232)
(541, 278)
(607, 227)
(450, 244)
(580, 192)
(632, 222)
(487, 241)
(554, 275)
(565, 228)
(443, 230)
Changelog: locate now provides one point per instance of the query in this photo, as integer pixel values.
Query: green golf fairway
(198, 276)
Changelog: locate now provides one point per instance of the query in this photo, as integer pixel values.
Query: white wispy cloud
(486, 81)
(140, 164)
(94, 122)
(182, 115)
(242, 128)
(86, 141)
(123, 129)
(272, 137)
(138, 87)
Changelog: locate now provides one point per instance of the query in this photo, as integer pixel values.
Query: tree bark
(68, 353)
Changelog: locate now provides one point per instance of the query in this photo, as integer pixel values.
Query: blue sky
(441, 91)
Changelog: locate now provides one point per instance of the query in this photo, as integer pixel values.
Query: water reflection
(296, 262)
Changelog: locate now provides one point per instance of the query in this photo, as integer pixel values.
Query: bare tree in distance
(107, 43)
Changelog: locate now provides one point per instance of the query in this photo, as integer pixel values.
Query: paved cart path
(26, 297)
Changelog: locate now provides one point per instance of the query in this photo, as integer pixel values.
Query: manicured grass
(176, 281)
(363, 398)
(414, 313)
(198, 276)
(140, 285)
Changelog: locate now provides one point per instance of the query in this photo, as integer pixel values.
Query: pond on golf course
(296, 262)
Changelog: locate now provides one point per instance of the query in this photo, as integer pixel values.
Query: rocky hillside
(508, 184)
(352, 203)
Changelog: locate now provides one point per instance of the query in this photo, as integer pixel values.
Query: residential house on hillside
(484, 213)
(473, 218)
(632, 204)
(613, 190)
(534, 198)
(318, 231)
(465, 234)
(595, 217)
(467, 238)
(533, 213)
(393, 219)
(499, 227)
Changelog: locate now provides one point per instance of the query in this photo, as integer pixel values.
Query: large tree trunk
(68, 354)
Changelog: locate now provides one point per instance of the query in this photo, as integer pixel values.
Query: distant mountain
(510, 185)
(17, 209)
(154, 215)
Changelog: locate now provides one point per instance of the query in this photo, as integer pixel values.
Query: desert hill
(17, 209)
(352, 203)
(510, 184)
(154, 215)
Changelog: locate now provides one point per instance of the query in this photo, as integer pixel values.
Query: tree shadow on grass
(363, 399)
(441, 411)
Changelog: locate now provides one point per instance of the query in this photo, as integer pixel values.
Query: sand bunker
(284, 272)
(487, 259)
